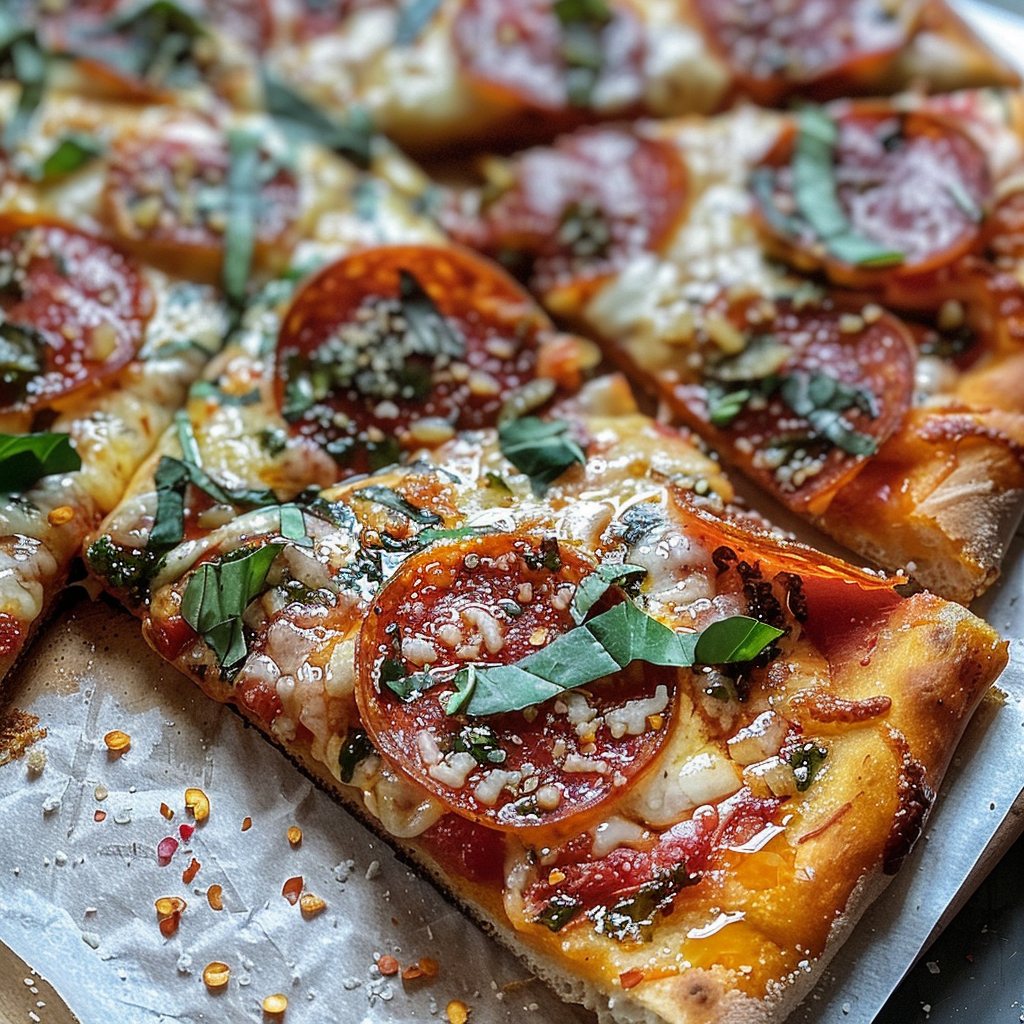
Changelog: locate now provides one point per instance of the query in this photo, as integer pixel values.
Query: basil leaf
(240, 206)
(821, 400)
(293, 525)
(435, 334)
(22, 349)
(29, 63)
(593, 587)
(806, 761)
(357, 747)
(217, 595)
(560, 910)
(172, 478)
(413, 18)
(724, 406)
(398, 503)
(736, 639)
(405, 687)
(582, 23)
(814, 188)
(300, 119)
(72, 152)
(26, 458)
(598, 648)
(539, 448)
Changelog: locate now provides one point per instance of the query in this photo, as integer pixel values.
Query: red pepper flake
(186, 831)
(169, 925)
(631, 978)
(165, 850)
(292, 889)
(190, 872)
(425, 967)
(166, 811)
(388, 966)
(246, 824)
(99, 816)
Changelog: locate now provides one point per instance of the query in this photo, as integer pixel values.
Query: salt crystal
(91, 939)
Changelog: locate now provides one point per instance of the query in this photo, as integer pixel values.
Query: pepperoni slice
(816, 391)
(580, 209)
(823, 49)
(522, 52)
(399, 346)
(166, 198)
(912, 188)
(494, 600)
(74, 310)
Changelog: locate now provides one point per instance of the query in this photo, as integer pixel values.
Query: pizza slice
(130, 237)
(508, 72)
(666, 757)
(778, 282)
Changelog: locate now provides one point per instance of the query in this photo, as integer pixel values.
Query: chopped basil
(391, 499)
(481, 742)
(559, 912)
(72, 152)
(217, 595)
(582, 23)
(545, 556)
(733, 640)
(604, 645)
(822, 400)
(633, 917)
(435, 334)
(22, 359)
(241, 209)
(405, 687)
(724, 406)
(413, 18)
(430, 534)
(155, 42)
(26, 458)
(806, 761)
(300, 119)
(172, 478)
(814, 188)
(126, 569)
(495, 482)
(593, 587)
(23, 58)
(293, 525)
(356, 748)
(542, 449)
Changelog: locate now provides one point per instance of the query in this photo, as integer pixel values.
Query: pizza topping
(72, 152)
(24, 60)
(775, 46)
(26, 458)
(571, 53)
(217, 204)
(385, 339)
(562, 719)
(873, 190)
(218, 593)
(542, 449)
(74, 311)
(816, 390)
(581, 209)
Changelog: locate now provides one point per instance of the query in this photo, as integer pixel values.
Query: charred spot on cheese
(399, 347)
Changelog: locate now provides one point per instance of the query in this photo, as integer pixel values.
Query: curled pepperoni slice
(911, 188)
(552, 57)
(494, 600)
(582, 208)
(74, 311)
(400, 346)
(815, 392)
(166, 198)
(825, 49)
